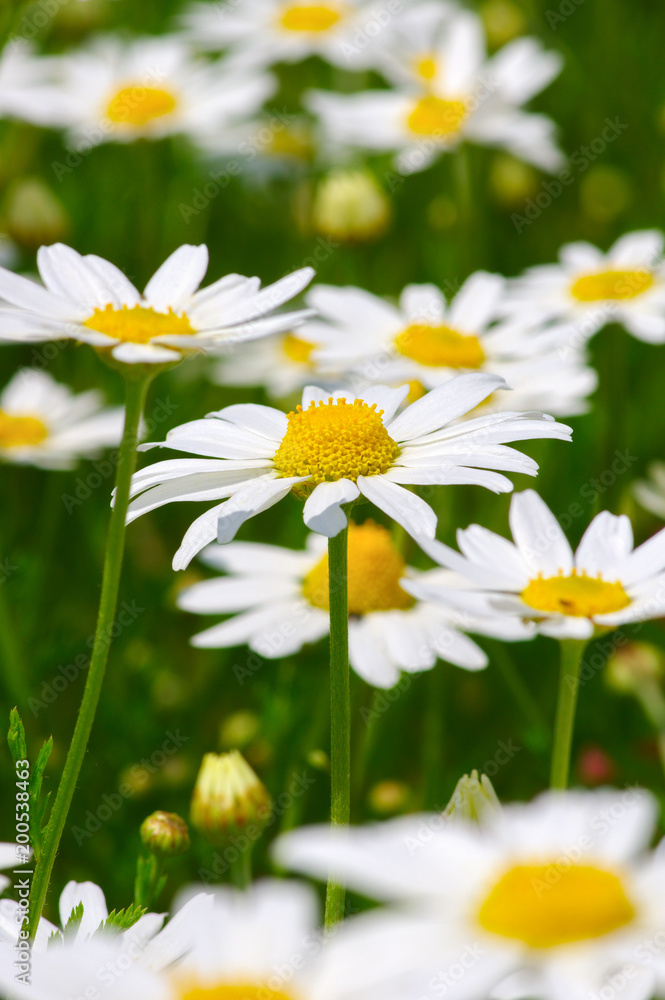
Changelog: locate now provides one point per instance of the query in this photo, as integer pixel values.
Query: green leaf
(73, 921)
(123, 919)
(16, 737)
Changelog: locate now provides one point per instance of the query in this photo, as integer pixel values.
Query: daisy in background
(425, 341)
(650, 493)
(452, 94)
(44, 423)
(88, 299)
(558, 898)
(332, 449)
(24, 78)
(283, 600)
(604, 584)
(272, 31)
(120, 90)
(588, 289)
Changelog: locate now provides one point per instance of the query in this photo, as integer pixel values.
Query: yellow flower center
(335, 440)
(425, 67)
(618, 285)
(375, 568)
(310, 17)
(439, 346)
(21, 432)
(296, 349)
(556, 904)
(436, 117)
(136, 324)
(232, 991)
(577, 595)
(138, 105)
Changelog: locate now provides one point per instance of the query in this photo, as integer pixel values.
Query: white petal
(323, 509)
(416, 516)
(443, 404)
(174, 283)
(250, 500)
(647, 560)
(137, 354)
(29, 295)
(538, 535)
(475, 303)
(94, 906)
(234, 593)
(605, 546)
(368, 658)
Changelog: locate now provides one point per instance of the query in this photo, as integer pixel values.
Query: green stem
(241, 869)
(135, 393)
(340, 709)
(569, 682)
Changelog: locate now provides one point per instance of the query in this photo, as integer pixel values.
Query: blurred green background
(123, 203)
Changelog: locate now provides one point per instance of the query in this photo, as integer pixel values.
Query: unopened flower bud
(228, 796)
(33, 214)
(635, 666)
(350, 206)
(473, 800)
(503, 20)
(239, 729)
(165, 834)
(388, 797)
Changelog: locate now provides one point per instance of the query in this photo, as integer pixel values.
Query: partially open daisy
(89, 299)
(120, 90)
(273, 31)
(43, 423)
(426, 341)
(604, 584)
(332, 449)
(283, 600)
(546, 900)
(452, 94)
(589, 289)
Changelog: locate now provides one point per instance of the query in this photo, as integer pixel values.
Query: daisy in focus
(604, 584)
(650, 492)
(546, 900)
(283, 603)
(272, 31)
(88, 299)
(43, 423)
(588, 289)
(426, 341)
(445, 95)
(119, 90)
(332, 449)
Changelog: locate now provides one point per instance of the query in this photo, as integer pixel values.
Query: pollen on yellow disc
(335, 440)
(375, 568)
(138, 105)
(436, 117)
(310, 17)
(136, 324)
(577, 595)
(426, 67)
(439, 346)
(21, 432)
(296, 349)
(231, 991)
(606, 285)
(546, 905)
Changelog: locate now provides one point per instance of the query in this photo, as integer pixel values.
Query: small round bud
(350, 206)
(33, 214)
(239, 729)
(473, 800)
(388, 797)
(228, 796)
(165, 834)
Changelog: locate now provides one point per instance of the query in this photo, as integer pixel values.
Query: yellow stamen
(436, 117)
(335, 440)
(577, 595)
(232, 991)
(606, 285)
(137, 105)
(296, 349)
(21, 432)
(375, 568)
(136, 324)
(439, 346)
(310, 17)
(546, 905)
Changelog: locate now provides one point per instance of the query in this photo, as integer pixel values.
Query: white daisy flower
(333, 449)
(452, 93)
(89, 299)
(281, 364)
(427, 341)
(282, 597)
(24, 80)
(273, 31)
(549, 900)
(44, 423)
(604, 584)
(650, 493)
(120, 90)
(588, 289)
